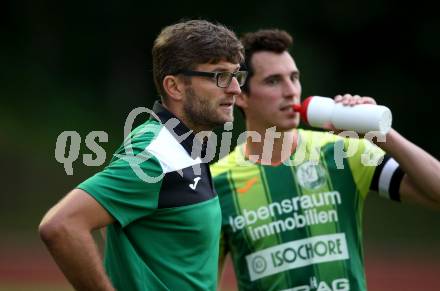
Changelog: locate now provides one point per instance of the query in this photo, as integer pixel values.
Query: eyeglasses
(223, 79)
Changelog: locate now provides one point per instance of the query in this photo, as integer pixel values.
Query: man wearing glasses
(163, 231)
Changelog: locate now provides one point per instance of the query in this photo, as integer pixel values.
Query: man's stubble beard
(198, 111)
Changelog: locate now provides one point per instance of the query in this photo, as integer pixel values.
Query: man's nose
(291, 89)
(234, 87)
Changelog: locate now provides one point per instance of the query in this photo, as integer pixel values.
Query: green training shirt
(167, 214)
(297, 226)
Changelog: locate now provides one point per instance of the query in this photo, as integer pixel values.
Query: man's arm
(66, 229)
(421, 182)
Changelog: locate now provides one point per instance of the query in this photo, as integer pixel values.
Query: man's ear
(174, 87)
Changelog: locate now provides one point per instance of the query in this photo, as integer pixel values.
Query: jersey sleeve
(363, 158)
(123, 190)
(387, 178)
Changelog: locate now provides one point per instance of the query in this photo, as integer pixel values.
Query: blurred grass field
(34, 270)
(35, 287)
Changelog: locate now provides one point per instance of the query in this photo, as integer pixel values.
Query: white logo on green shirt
(310, 175)
(194, 185)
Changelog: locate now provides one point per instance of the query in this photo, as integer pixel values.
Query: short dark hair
(272, 40)
(186, 44)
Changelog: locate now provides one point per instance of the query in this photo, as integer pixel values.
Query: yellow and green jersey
(298, 226)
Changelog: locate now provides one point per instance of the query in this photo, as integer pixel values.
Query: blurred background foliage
(84, 65)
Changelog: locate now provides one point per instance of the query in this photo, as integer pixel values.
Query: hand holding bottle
(319, 111)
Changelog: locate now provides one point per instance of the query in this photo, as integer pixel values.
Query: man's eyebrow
(224, 69)
(295, 72)
(272, 76)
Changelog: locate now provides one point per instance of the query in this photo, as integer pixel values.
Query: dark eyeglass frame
(216, 76)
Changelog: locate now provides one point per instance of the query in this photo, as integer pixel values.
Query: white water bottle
(319, 111)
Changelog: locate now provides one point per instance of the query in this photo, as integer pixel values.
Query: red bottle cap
(302, 108)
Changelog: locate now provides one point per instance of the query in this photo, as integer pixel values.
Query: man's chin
(219, 121)
(287, 126)
(226, 117)
(225, 120)
(229, 119)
